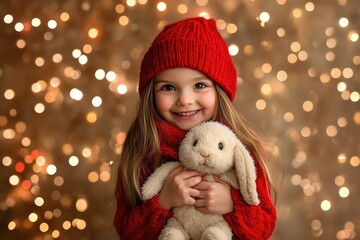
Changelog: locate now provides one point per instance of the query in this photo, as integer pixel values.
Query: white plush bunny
(213, 149)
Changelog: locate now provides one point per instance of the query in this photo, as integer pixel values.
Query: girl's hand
(214, 197)
(178, 188)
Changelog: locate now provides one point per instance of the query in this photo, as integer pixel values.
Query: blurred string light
(76, 67)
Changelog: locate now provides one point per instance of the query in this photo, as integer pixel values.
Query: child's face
(185, 97)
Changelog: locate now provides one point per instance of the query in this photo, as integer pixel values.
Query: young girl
(187, 77)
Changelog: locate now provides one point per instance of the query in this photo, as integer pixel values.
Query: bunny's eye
(220, 146)
(195, 142)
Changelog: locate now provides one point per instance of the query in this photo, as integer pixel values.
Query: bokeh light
(68, 90)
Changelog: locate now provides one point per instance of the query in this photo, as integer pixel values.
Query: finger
(203, 185)
(199, 203)
(175, 171)
(189, 201)
(219, 180)
(193, 181)
(203, 209)
(185, 174)
(194, 193)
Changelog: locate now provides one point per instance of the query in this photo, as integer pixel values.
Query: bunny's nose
(205, 155)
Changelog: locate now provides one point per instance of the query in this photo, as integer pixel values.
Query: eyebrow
(194, 79)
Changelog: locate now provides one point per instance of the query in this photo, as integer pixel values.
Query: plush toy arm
(155, 182)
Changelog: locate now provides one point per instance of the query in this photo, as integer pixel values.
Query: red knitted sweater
(147, 219)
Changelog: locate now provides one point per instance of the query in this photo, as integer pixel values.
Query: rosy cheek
(161, 104)
(209, 100)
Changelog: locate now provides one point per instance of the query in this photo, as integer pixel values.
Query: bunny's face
(208, 148)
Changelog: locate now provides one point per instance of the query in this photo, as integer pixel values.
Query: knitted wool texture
(191, 43)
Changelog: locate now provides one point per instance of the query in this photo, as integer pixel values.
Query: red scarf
(170, 139)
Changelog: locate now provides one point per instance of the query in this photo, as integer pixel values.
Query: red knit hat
(191, 43)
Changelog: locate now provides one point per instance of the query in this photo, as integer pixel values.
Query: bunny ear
(246, 174)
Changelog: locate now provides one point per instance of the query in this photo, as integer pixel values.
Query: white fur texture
(213, 149)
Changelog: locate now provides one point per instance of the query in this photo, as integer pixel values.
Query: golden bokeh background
(68, 81)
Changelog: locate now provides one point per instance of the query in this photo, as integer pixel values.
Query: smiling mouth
(186, 114)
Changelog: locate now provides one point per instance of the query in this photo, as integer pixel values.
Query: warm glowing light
(83, 59)
(73, 161)
(64, 16)
(91, 117)
(355, 161)
(341, 86)
(281, 32)
(21, 43)
(344, 192)
(76, 94)
(93, 33)
(39, 108)
(110, 76)
(260, 104)
(51, 169)
(14, 180)
(161, 6)
(35, 22)
(6, 161)
(123, 20)
(309, 6)
(355, 96)
(39, 201)
(66, 225)
(353, 36)
(69, 91)
(342, 158)
(81, 205)
(343, 22)
(11, 225)
(282, 76)
(297, 13)
(308, 106)
(264, 17)
(182, 8)
(325, 205)
(40, 161)
(231, 28)
(266, 89)
(100, 74)
(331, 131)
(33, 217)
(57, 58)
(9, 133)
(44, 227)
(8, 18)
(131, 3)
(52, 24)
(233, 50)
(9, 94)
(96, 101)
(105, 176)
(86, 152)
(120, 8)
(93, 177)
(55, 234)
(289, 117)
(19, 27)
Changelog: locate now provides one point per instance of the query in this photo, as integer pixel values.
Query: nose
(186, 98)
(204, 154)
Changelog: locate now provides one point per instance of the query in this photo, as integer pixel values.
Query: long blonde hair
(142, 142)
